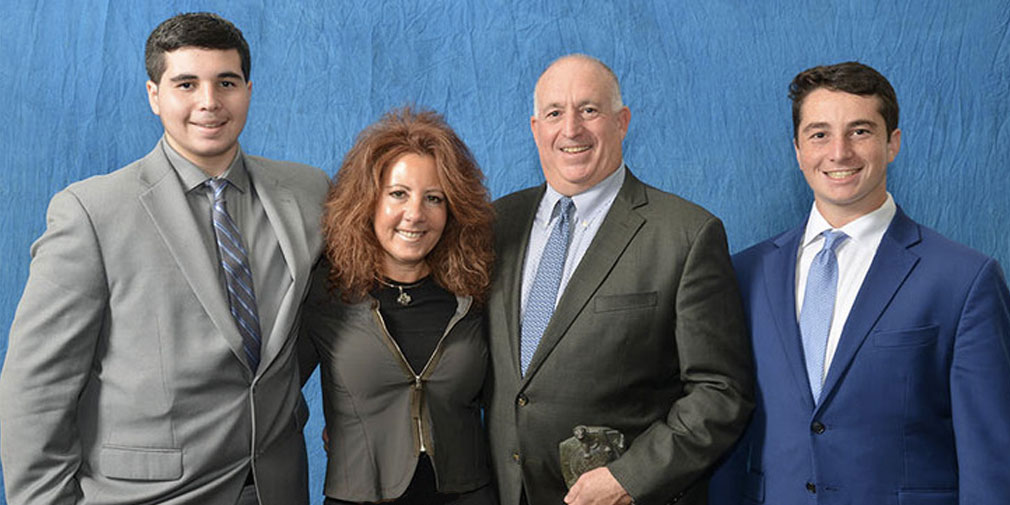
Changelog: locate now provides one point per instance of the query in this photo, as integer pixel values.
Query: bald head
(565, 63)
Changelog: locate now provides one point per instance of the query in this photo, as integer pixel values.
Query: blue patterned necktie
(819, 307)
(237, 274)
(544, 292)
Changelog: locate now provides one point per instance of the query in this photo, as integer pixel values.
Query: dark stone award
(591, 447)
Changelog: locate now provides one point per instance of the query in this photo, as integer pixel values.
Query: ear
(624, 117)
(894, 145)
(152, 98)
(796, 148)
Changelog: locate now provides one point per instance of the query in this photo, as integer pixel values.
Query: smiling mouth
(211, 125)
(410, 235)
(841, 174)
(575, 149)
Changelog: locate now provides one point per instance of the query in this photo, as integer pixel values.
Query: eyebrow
(558, 105)
(192, 77)
(852, 124)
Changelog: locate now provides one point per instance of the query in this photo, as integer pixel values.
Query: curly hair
(462, 259)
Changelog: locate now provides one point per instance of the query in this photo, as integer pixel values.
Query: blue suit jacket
(915, 408)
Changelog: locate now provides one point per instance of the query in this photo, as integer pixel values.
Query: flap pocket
(623, 302)
(140, 463)
(946, 497)
(906, 338)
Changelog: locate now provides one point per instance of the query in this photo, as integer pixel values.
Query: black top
(417, 326)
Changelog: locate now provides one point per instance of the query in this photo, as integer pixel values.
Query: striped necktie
(544, 292)
(237, 274)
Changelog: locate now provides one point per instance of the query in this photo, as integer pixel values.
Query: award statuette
(591, 447)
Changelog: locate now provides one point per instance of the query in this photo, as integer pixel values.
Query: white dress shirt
(590, 208)
(855, 254)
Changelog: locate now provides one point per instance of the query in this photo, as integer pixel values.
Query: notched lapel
(619, 227)
(285, 218)
(891, 266)
(780, 286)
(165, 201)
(512, 251)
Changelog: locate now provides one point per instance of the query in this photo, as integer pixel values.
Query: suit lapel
(286, 220)
(619, 226)
(891, 266)
(780, 285)
(165, 202)
(511, 247)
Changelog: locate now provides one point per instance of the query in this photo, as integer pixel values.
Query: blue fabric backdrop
(706, 83)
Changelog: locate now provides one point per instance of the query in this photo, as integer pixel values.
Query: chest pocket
(611, 303)
(913, 337)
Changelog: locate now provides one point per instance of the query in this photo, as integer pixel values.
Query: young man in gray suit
(151, 359)
(614, 304)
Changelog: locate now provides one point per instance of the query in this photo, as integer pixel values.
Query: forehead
(827, 106)
(573, 80)
(200, 61)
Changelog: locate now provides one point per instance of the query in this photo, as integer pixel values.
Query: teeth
(841, 174)
(576, 149)
(410, 235)
(209, 125)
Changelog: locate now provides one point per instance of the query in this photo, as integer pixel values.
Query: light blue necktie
(544, 292)
(237, 274)
(819, 307)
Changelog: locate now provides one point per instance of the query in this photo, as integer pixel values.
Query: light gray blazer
(125, 380)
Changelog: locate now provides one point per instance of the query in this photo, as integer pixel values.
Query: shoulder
(522, 200)
(304, 179)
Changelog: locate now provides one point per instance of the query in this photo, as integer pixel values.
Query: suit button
(817, 427)
(515, 456)
(811, 487)
(522, 400)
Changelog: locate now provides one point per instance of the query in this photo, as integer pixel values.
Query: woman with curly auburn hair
(396, 322)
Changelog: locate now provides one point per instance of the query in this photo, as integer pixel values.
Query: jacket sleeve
(49, 358)
(715, 362)
(980, 391)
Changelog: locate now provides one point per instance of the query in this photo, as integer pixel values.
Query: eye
(185, 85)
(818, 136)
(553, 114)
(590, 111)
(435, 199)
(861, 131)
(398, 194)
(227, 84)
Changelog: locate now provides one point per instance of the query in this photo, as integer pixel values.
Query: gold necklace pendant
(404, 298)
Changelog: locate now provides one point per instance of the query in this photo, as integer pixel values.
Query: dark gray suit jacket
(647, 338)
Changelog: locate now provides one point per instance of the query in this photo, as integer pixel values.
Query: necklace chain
(403, 298)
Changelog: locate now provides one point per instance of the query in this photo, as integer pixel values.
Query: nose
(209, 98)
(841, 148)
(572, 124)
(414, 210)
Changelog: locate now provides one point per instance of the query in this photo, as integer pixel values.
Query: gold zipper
(417, 389)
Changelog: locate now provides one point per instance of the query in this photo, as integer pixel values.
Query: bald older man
(614, 305)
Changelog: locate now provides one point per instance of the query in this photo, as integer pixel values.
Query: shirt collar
(860, 229)
(588, 202)
(194, 177)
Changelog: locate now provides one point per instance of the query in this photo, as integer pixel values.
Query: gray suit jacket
(647, 338)
(125, 380)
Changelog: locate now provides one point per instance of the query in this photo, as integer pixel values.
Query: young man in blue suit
(881, 347)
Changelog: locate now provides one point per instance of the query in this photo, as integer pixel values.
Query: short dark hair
(193, 29)
(849, 77)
